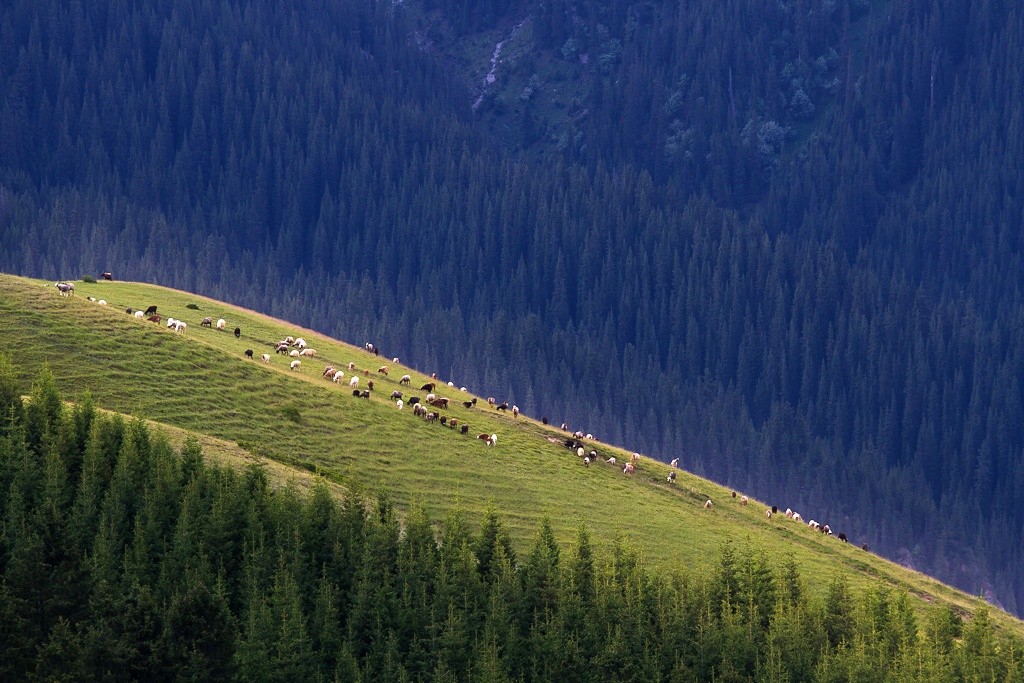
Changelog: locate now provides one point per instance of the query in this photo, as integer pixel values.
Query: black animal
(775, 509)
(842, 537)
(864, 547)
(365, 393)
(469, 404)
(543, 420)
(414, 400)
(151, 310)
(129, 310)
(355, 392)
(207, 322)
(108, 276)
(465, 429)
(429, 386)
(238, 332)
(503, 406)
(248, 353)
(444, 420)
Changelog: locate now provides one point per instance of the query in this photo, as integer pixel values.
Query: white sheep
(338, 376)
(351, 366)
(675, 463)
(635, 458)
(294, 353)
(743, 500)
(768, 513)
(180, 325)
(294, 365)
(515, 411)
(301, 343)
(797, 517)
(265, 357)
(170, 322)
(707, 505)
(431, 397)
(308, 352)
(221, 323)
(451, 384)
(493, 440)
(405, 378)
(463, 389)
(611, 460)
(354, 382)
(101, 302)
(400, 404)
(586, 461)
(139, 314)
(580, 452)
(789, 513)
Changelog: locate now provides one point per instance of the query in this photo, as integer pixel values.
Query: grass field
(201, 383)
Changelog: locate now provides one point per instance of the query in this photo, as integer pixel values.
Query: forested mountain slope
(812, 298)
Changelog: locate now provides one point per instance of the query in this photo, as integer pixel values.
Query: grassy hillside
(201, 382)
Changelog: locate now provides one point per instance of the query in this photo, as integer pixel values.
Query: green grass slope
(200, 382)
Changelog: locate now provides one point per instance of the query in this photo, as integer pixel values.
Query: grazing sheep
(129, 310)
(238, 333)
(151, 311)
(493, 440)
(590, 436)
(586, 461)
(139, 314)
(90, 298)
(414, 399)
(368, 346)
(405, 379)
(294, 353)
(289, 339)
(153, 318)
(294, 365)
(611, 460)
(503, 406)
(300, 342)
(635, 458)
(170, 322)
(864, 546)
(248, 354)
(469, 404)
(789, 513)
(355, 392)
(65, 288)
(429, 386)
(628, 468)
(395, 360)
(351, 366)
(265, 357)
(329, 372)
(580, 452)
(707, 505)
(444, 420)
(354, 382)
(743, 500)
(101, 302)
(490, 400)
(399, 404)
(366, 372)
(842, 537)
(179, 326)
(775, 509)
(463, 389)
(365, 393)
(221, 323)
(396, 394)
(453, 423)
(430, 417)
(671, 477)
(768, 513)
(797, 518)
(369, 384)
(464, 429)
(483, 437)
(281, 348)
(417, 409)
(308, 352)
(431, 397)
(565, 427)
(108, 275)
(733, 494)
(451, 384)
(675, 463)
(338, 376)
(383, 370)
(207, 322)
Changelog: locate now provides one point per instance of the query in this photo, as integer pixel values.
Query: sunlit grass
(201, 382)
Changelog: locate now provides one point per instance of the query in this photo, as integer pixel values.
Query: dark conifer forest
(778, 240)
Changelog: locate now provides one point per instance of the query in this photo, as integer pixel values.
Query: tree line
(122, 558)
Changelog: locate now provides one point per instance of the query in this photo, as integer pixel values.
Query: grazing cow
(151, 310)
(238, 332)
(207, 322)
(248, 354)
(108, 275)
